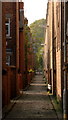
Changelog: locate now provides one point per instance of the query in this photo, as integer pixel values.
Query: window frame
(8, 60)
(8, 24)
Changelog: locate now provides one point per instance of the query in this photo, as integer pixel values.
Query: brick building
(55, 33)
(48, 48)
(15, 58)
(29, 64)
(12, 49)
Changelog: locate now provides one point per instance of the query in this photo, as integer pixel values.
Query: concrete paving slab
(34, 103)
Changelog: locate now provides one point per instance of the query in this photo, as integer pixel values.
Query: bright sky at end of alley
(35, 9)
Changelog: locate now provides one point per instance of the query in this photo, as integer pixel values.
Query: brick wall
(58, 73)
(11, 74)
(22, 50)
(17, 47)
(3, 38)
(0, 59)
(3, 54)
(58, 49)
(10, 12)
(55, 58)
(55, 45)
(62, 47)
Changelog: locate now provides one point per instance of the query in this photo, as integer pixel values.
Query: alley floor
(33, 103)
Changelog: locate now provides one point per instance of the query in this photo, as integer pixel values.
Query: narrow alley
(34, 59)
(34, 103)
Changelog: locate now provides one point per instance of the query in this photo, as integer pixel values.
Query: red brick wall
(7, 93)
(3, 38)
(4, 77)
(8, 85)
(0, 58)
(17, 46)
(11, 77)
(22, 51)
(10, 8)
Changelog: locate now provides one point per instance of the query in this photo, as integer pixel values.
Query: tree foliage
(37, 30)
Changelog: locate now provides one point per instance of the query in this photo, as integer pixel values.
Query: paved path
(34, 103)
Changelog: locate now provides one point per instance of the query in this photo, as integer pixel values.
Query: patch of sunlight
(49, 93)
(45, 93)
(35, 93)
(32, 84)
(38, 81)
(26, 101)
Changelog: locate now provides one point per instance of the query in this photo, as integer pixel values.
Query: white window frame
(8, 24)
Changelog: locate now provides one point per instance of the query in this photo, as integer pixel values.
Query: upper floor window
(7, 27)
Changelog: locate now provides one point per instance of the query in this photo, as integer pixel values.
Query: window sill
(8, 37)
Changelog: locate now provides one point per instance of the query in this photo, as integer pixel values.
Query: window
(8, 56)
(7, 27)
(8, 60)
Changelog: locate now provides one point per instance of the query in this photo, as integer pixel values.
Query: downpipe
(65, 111)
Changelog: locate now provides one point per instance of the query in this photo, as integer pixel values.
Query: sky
(35, 10)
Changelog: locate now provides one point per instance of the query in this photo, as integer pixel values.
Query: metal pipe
(1, 22)
(65, 82)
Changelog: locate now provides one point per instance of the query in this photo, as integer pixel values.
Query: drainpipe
(65, 79)
(1, 80)
(21, 42)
